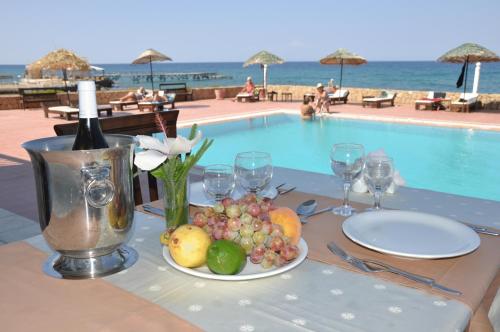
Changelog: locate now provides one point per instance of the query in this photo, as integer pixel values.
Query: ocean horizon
(401, 75)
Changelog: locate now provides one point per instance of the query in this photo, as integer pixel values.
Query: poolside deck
(17, 194)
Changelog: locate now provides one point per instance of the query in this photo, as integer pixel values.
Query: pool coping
(387, 119)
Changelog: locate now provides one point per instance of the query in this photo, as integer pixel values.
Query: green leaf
(192, 133)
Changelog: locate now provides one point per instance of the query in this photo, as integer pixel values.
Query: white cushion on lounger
(470, 98)
(375, 99)
(243, 94)
(339, 94)
(424, 101)
(63, 109)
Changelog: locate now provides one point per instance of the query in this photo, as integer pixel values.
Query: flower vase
(176, 203)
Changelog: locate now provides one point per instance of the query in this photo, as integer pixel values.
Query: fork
(372, 266)
(282, 191)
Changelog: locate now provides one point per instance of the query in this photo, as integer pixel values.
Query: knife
(366, 266)
(153, 210)
(483, 230)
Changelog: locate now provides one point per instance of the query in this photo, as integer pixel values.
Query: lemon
(226, 257)
(188, 246)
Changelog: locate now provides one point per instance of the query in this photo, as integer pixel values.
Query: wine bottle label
(87, 99)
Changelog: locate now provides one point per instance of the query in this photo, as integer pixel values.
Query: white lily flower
(157, 151)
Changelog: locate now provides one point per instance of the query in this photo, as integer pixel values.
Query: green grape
(259, 238)
(247, 244)
(246, 230)
(218, 208)
(246, 218)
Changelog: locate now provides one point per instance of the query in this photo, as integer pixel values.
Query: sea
(401, 75)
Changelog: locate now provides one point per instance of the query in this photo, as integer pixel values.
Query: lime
(226, 257)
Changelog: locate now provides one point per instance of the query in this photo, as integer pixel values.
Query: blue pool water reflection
(458, 161)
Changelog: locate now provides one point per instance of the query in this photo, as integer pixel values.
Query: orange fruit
(290, 221)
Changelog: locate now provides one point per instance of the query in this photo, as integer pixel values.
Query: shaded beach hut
(465, 53)
(149, 56)
(60, 59)
(342, 57)
(265, 59)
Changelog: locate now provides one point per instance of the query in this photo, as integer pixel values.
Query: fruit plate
(251, 271)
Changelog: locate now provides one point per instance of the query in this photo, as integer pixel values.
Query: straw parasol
(150, 56)
(264, 58)
(465, 53)
(342, 57)
(60, 59)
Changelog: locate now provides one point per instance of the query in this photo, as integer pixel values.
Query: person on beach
(306, 109)
(321, 101)
(249, 88)
(134, 96)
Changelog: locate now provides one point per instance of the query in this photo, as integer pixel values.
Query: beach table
(321, 294)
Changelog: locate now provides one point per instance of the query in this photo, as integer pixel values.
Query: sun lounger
(384, 97)
(119, 105)
(433, 101)
(339, 95)
(466, 102)
(67, 112)
(246, 97)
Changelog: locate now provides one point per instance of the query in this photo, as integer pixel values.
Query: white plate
(251, 271)
(411, 234)
(197, 195)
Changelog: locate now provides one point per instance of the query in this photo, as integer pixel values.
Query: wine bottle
(89, 134)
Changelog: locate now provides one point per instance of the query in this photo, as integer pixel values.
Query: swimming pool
(457, 161)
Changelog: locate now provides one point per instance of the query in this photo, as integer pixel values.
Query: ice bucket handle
(98, 189)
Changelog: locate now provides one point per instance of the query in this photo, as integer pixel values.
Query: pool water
(456, 161)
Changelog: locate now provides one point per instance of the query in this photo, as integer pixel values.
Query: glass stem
(347, 188)
(377, 195)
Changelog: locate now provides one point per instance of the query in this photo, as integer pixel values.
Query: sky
(108, 31)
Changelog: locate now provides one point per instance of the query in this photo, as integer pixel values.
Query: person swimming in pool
(306, 109)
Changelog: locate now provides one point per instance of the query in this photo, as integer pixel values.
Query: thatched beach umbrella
(150, 56)
(466, 53)
(342, 57)
(264, 58)
(60, 59)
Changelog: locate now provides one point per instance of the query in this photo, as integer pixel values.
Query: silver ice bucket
(85, 205)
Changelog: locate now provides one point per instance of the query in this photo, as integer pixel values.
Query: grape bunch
(246, 222)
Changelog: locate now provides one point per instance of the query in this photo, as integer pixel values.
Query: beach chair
(339, 95)
(120, 105)
(248, 97)
(433, 101)
(154, 106)
(384, 97)
(465, 103)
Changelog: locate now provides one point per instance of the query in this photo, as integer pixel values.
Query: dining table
(323, 293)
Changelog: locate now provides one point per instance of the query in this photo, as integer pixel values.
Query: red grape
(276, 244)
(254, 209)
(289, 252)
(227, 201)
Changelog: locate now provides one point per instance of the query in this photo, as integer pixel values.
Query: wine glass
(378, 175)
(347, 160)
(218, 181)
(253, 170)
